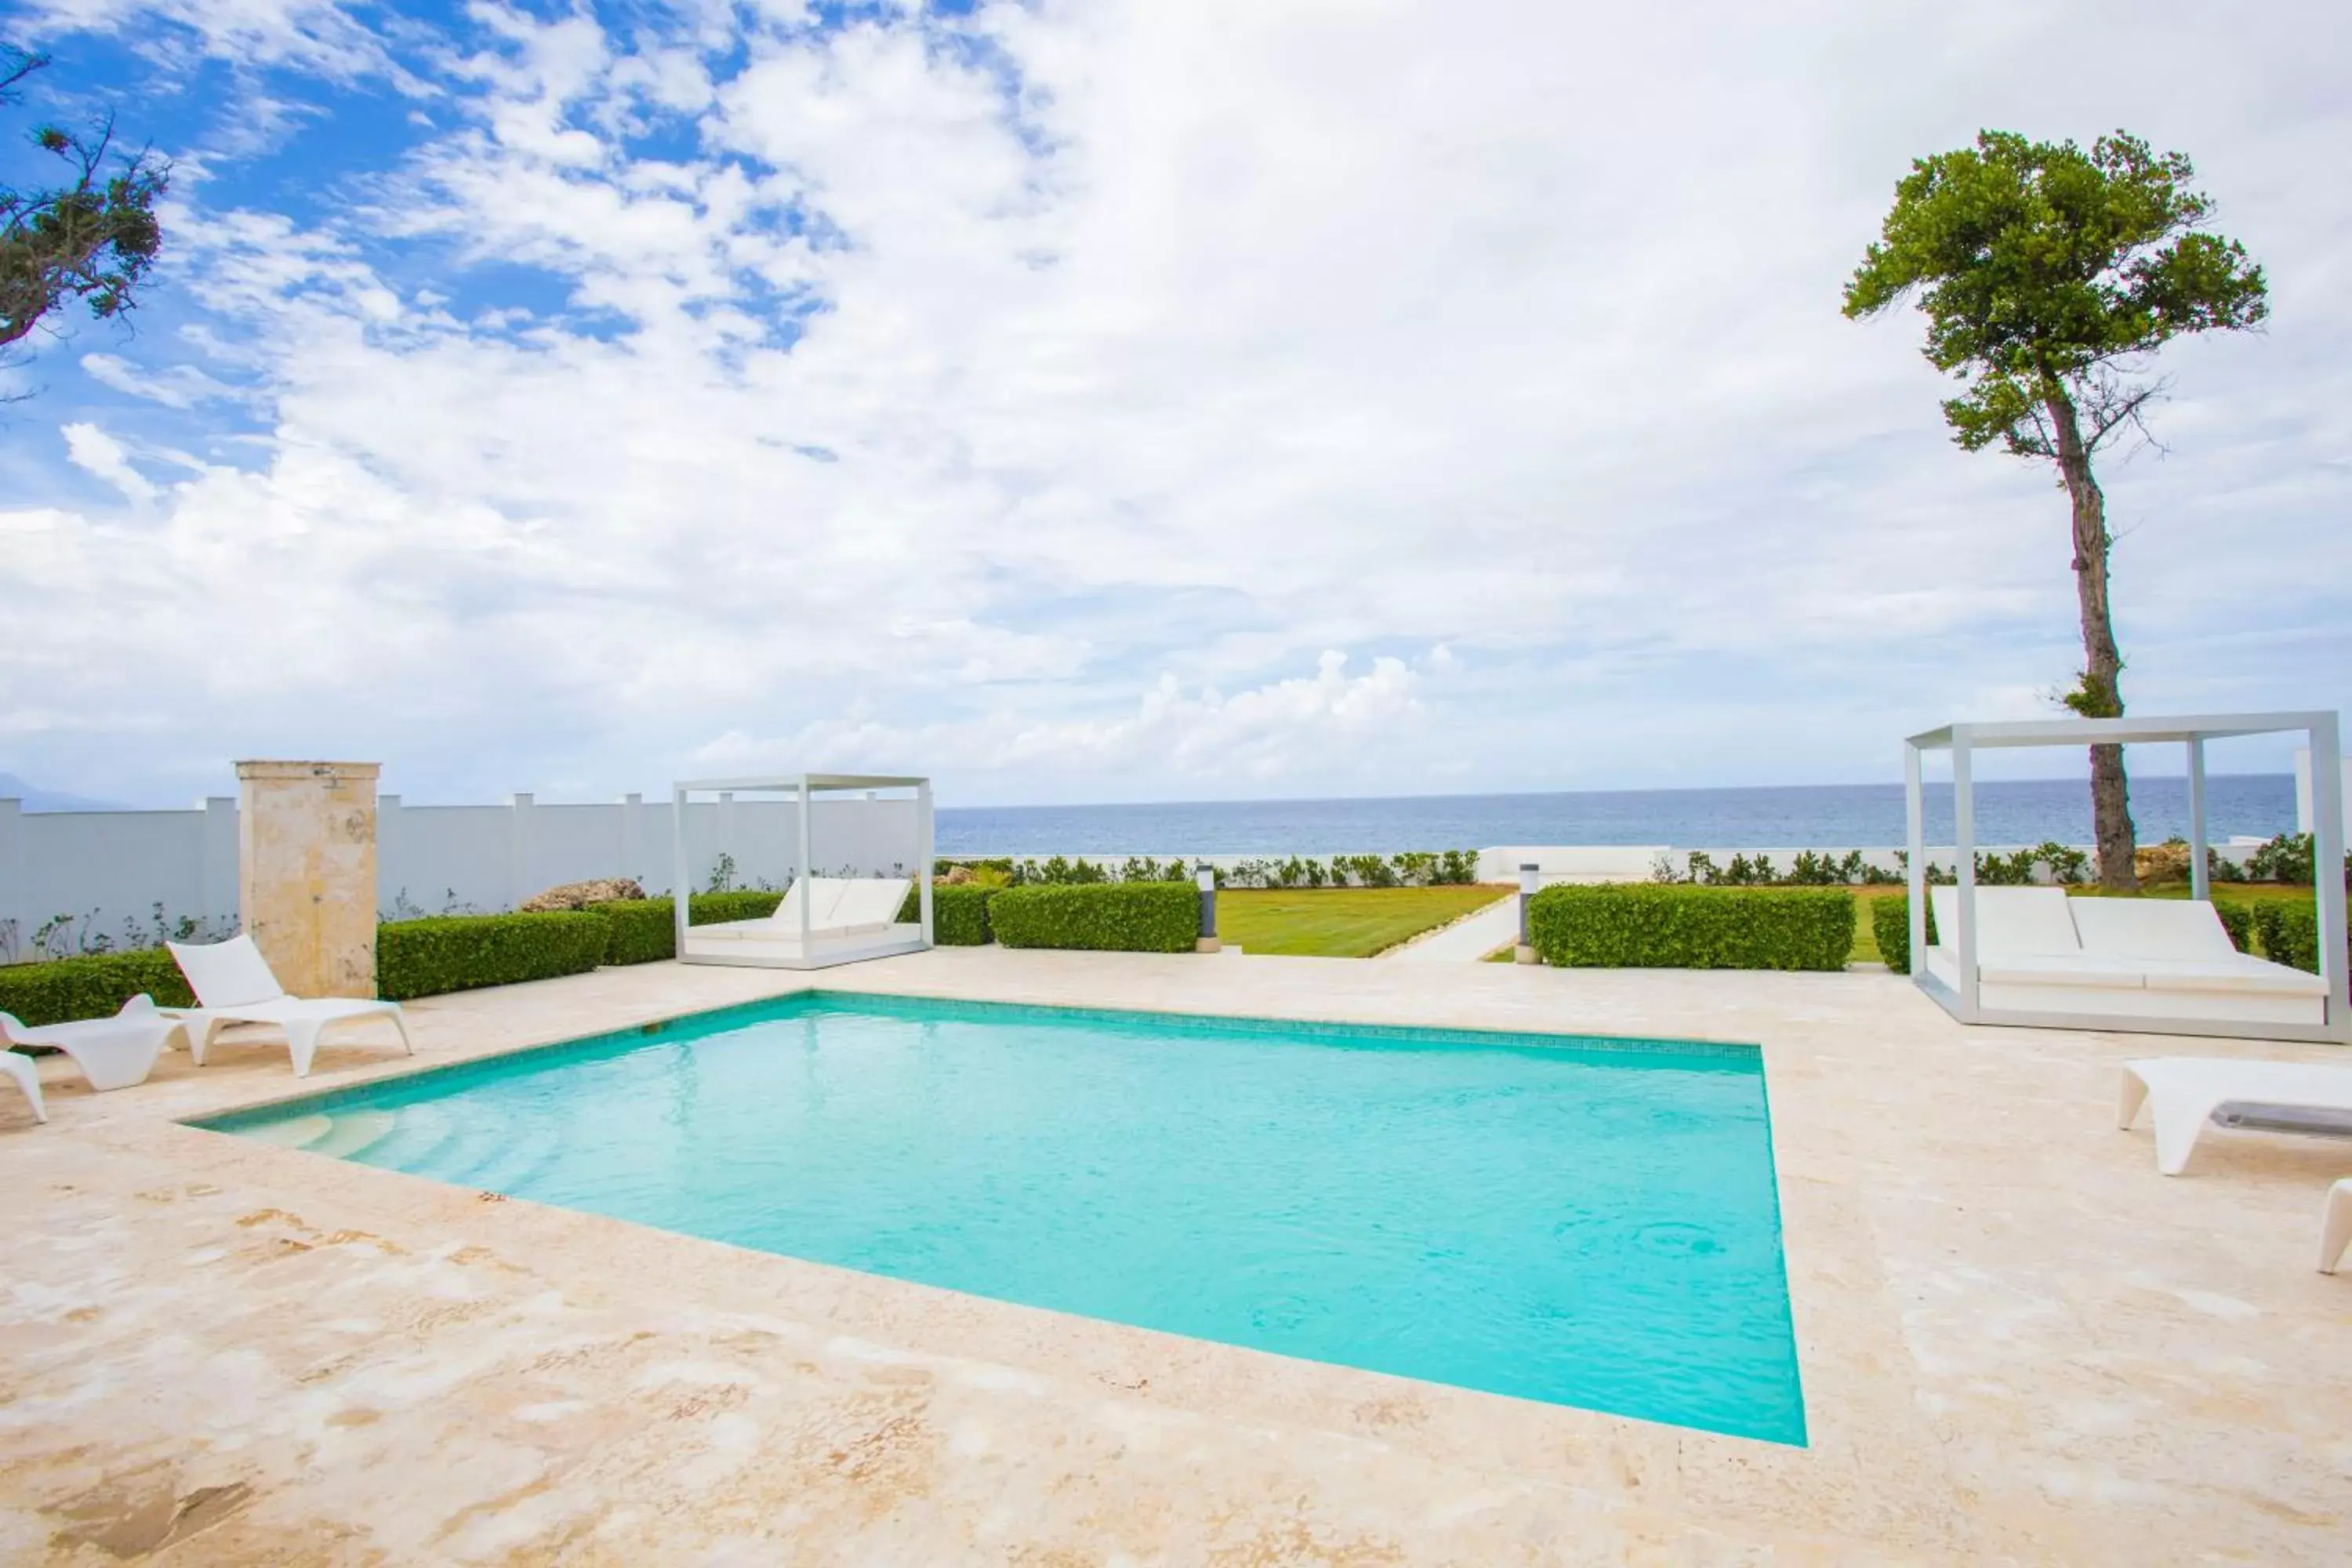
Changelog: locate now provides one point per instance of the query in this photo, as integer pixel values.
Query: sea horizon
(1756, 816)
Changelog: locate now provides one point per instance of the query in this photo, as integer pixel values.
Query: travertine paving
(2019, 1342)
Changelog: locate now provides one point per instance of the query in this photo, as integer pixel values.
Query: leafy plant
(2290, 857)
(90, 240)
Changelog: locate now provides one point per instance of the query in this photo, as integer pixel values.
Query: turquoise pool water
(1586, 1222)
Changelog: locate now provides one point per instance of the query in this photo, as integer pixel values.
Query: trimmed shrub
(462, 953)
(959, 914)
(65, 989)
(716, 908)
(642, 931)
(639, 929)
(1636, 925)
(2238, 920)
(1108, 917)
(1890, 923)
(2289, 934)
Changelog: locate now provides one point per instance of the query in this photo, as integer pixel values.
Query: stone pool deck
(2019, 1342)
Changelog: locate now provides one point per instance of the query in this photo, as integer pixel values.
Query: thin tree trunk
(2100, 693)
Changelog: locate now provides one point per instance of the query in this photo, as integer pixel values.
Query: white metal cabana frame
(813, 951)
(1964, 740)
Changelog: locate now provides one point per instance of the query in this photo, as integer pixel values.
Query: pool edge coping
(407, 1068)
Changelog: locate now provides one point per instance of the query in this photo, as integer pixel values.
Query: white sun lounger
(2336, 1226)
(112, 1053)
(2183, 1092)
(19, 1067)
(234, 985)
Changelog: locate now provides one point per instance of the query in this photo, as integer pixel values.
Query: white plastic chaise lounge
(2182, 1094)
(112, 1053)
(234, 985)
(2336, 1226)
(20, 1069)
(2040, 951)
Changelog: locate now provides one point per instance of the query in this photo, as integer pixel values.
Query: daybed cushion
(2010, 921)
(2152, 928)
(2240, 971)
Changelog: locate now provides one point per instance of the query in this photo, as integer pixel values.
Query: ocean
(1792, 817)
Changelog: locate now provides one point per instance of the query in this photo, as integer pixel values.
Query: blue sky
(1121, 401)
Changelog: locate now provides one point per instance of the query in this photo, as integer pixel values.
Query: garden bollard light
(1206, 880)
(1530, 878)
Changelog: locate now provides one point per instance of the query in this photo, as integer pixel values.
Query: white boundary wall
(121, 864)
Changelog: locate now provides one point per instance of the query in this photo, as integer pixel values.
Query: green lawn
(1340, 922)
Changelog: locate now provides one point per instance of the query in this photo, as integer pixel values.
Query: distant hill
(38, 799)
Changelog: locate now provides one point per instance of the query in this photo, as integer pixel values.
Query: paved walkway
(2019, 1344)
(1468, 940)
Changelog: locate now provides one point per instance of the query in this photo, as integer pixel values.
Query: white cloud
(1048, 393)
(92, 449)
(1264, 733)
(175, 386)
(324, 36)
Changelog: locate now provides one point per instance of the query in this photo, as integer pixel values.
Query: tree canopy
(2043, 268)
(92, 237)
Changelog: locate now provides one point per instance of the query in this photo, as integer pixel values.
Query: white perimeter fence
(104, 868)
(107, 869)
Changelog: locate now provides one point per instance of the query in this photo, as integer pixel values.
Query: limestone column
(306, 872)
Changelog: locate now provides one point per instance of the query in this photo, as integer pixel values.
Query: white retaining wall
(121, 864)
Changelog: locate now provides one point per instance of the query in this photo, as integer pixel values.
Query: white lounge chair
(2182, 1093)
(19, 1069)
(2040, 951)
(234, 985)
(112, 1053)
(2336, 1226)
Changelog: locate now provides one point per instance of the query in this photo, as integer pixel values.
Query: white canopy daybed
(2032, 957)
(822, 920)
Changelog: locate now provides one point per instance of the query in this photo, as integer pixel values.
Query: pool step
(294, 1133)
(354, 1133)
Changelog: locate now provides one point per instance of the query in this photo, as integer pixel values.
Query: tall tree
(2049, 276)
(90, 238)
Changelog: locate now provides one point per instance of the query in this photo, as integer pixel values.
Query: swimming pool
(1587, 1222)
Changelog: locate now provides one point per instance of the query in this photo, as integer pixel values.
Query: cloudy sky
(1122, 400)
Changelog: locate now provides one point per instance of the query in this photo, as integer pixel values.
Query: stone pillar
(306, 872)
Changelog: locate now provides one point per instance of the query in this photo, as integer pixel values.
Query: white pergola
(1962, 741)
(804, 788)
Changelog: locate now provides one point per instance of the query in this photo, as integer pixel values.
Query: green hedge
(64, 989)
(959, 914)
(1641, 925)
(638, 929)
(2290, 935)
(1890, 923)
(463, 952)
(2238, 920)
(643, 931)
(716, 908)
(1112, 917)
